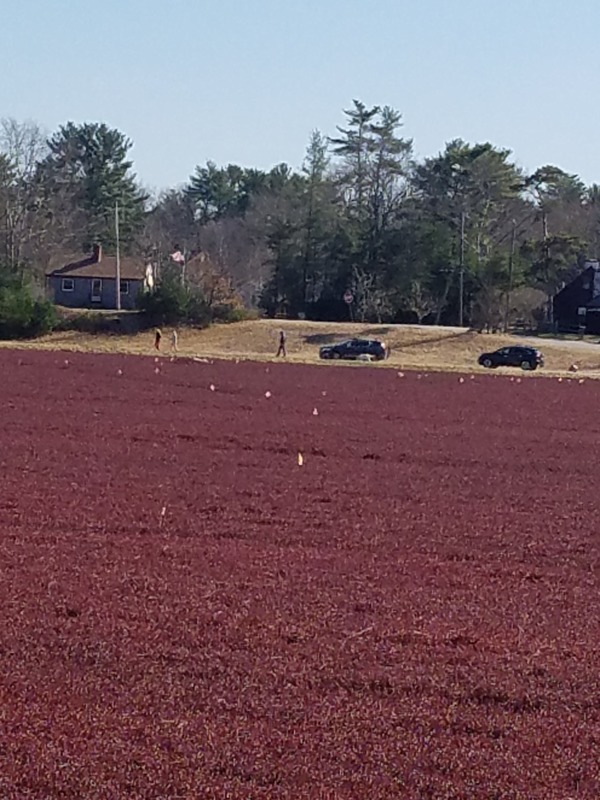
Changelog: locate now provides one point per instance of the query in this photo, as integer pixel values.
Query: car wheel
(487, 363)
(525, 365)
(335, 355)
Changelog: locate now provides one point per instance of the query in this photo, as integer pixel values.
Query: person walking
(282, 349)
(174, 339)
(157, 338)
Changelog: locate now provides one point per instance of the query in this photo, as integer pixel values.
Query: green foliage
(92, 159)
(283, 293)
(552, 260)
(228, 313)
(217, 191)
(374, 163)
(360, 214)
(228, 191)
(22, 316)
(171, 303)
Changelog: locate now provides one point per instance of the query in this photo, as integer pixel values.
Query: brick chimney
(97, 253)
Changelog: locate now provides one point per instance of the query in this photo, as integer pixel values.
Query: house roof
(586, 280)
(132, 268)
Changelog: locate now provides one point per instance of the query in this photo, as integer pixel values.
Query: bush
(170, 303)
(228, 312)
(22, 316)
(43, 318)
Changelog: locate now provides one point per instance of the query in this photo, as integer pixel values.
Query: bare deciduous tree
(372, 302)
(23, 145)
(420, 300)
(236, 252)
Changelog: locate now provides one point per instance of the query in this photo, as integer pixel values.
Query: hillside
(412, 347)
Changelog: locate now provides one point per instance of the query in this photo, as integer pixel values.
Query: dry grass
(411, 347)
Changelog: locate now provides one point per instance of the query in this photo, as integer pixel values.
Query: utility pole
(511, 261)
(461, 274)
(118, 260)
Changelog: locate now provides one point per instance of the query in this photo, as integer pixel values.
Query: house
(91, 281)
(577, 305)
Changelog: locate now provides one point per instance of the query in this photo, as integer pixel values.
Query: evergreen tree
(92, 161)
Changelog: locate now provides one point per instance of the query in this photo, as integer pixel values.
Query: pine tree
(92, 161)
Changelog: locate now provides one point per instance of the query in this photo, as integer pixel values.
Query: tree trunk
(443, 299)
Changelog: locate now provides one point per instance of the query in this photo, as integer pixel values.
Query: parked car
(356, 349)
(524, 357)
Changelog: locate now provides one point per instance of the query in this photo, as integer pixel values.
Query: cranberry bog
(227, 580)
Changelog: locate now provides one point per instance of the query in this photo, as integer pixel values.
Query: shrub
(21, 315)
(228, 312)
(43, 318)
(170, 303)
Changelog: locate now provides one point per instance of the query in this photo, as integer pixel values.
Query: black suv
(524, 357)
(354, 349)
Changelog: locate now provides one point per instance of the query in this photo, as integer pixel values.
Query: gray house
(91, 282)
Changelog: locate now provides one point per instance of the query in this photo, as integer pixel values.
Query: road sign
(348, 297)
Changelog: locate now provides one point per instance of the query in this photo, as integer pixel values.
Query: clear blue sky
(245, 81)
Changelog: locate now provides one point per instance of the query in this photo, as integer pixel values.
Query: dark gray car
(353, 349)
(524, 357)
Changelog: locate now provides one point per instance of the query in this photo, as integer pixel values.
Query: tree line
(463, 237)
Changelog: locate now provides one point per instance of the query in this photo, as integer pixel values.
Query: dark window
(124, 287)
(68, 285)
(96, 289)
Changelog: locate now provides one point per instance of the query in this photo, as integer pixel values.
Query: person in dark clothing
(157, 338)
(281, 351)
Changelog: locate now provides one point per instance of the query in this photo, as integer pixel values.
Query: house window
(68, 285)
(124, 287)
(96, 290)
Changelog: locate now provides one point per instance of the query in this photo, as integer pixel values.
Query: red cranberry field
(188, 612)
